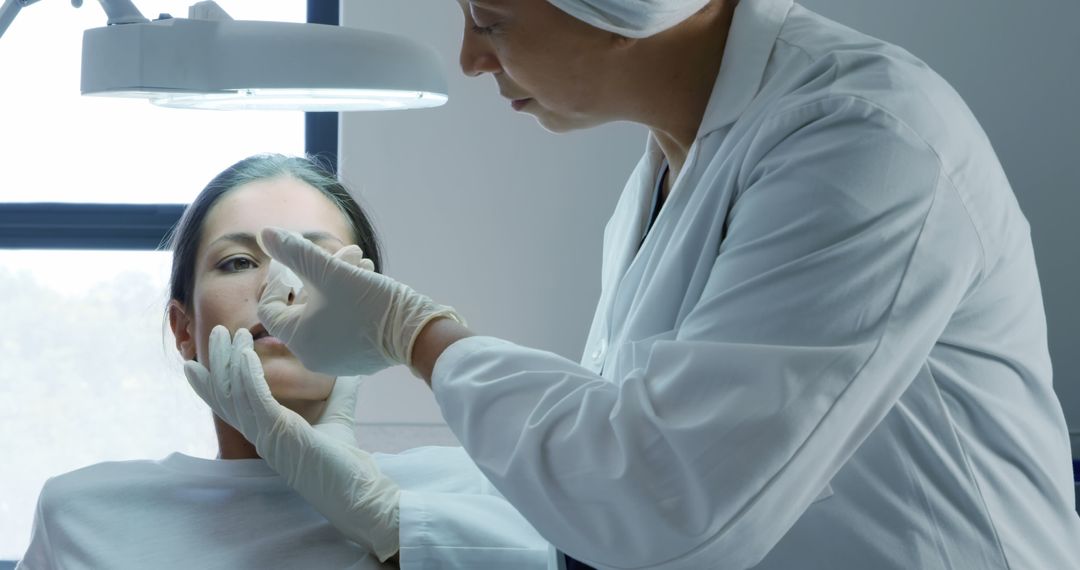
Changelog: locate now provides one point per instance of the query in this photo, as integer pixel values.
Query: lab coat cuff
(414, 528)
(444, 372)
(427, 544)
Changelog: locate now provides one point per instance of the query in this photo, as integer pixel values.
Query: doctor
(820, 341)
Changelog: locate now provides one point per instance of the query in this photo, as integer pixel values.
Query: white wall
(482, 209)
(479, 208)
(1017, 64)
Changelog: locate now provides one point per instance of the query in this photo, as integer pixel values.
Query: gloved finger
(303, 256)
(341, 404)
(353, 255)
(251, 374)
(220, 349)
(241, 344)
(242, 341)
(338, 420)
(242, 405)
(198, 378)
(318, 269)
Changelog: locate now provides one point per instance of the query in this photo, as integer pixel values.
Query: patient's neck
(231, 444)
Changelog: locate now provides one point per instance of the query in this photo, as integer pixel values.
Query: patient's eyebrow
(247, 239)
(242, 238)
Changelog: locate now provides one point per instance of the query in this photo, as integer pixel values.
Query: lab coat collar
(754, 30)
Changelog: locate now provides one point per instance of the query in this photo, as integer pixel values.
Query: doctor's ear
(182, 324)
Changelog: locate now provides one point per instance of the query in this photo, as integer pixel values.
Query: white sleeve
(846, 253)
(39, 555)
(450, 516)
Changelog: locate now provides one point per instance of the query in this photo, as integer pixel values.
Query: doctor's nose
(476, 57)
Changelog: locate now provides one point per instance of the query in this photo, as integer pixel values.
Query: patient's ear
(181, 324)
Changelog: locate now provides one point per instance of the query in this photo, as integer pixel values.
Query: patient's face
(230, 269)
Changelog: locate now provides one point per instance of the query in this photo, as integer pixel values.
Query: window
(88, 371)
(62, 147)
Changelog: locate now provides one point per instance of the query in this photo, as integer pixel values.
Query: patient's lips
(263, 338)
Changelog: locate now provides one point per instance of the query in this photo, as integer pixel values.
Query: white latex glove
(339, 480)
(338, 420)
(252, 412)
(350, 319)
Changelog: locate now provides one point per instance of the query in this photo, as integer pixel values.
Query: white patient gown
(183, 512)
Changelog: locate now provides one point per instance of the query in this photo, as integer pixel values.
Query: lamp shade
(240, 64)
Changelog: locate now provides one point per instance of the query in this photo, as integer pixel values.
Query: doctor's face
(230, 270)
(545, 62)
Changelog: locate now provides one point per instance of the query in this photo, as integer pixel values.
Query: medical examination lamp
(211, 61)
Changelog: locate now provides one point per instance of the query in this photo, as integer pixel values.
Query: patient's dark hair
(184, 238)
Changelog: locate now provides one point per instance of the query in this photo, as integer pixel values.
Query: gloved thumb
(341, 405)
(338, 420)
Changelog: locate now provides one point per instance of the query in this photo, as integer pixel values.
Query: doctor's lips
(518, 103)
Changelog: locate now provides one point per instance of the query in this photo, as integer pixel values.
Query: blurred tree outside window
(88, 370)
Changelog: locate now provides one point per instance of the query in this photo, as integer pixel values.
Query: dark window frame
(56, 225)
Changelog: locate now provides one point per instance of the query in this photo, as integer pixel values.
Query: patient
(234, 511)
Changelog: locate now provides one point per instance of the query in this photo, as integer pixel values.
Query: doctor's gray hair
(184, 238)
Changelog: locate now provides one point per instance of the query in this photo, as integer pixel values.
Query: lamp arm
(9, 10)
(121, 12)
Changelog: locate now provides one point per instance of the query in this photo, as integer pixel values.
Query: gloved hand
(254, 413)
(350, 319)
(338, 420)
(339, 480)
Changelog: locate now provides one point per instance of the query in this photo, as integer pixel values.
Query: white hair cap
(631, 18)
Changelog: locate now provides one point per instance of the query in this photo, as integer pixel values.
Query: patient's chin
(290, 381)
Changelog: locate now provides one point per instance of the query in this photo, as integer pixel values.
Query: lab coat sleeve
(39, 554)
(846, 251)
(450, 516)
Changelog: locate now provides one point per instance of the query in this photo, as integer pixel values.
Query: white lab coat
(450, 516)
(838, 301)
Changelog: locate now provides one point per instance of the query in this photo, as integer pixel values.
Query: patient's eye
(237, 263)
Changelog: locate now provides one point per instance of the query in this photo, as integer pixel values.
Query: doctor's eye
(485, 30)
(484, 21)
(237, 263)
